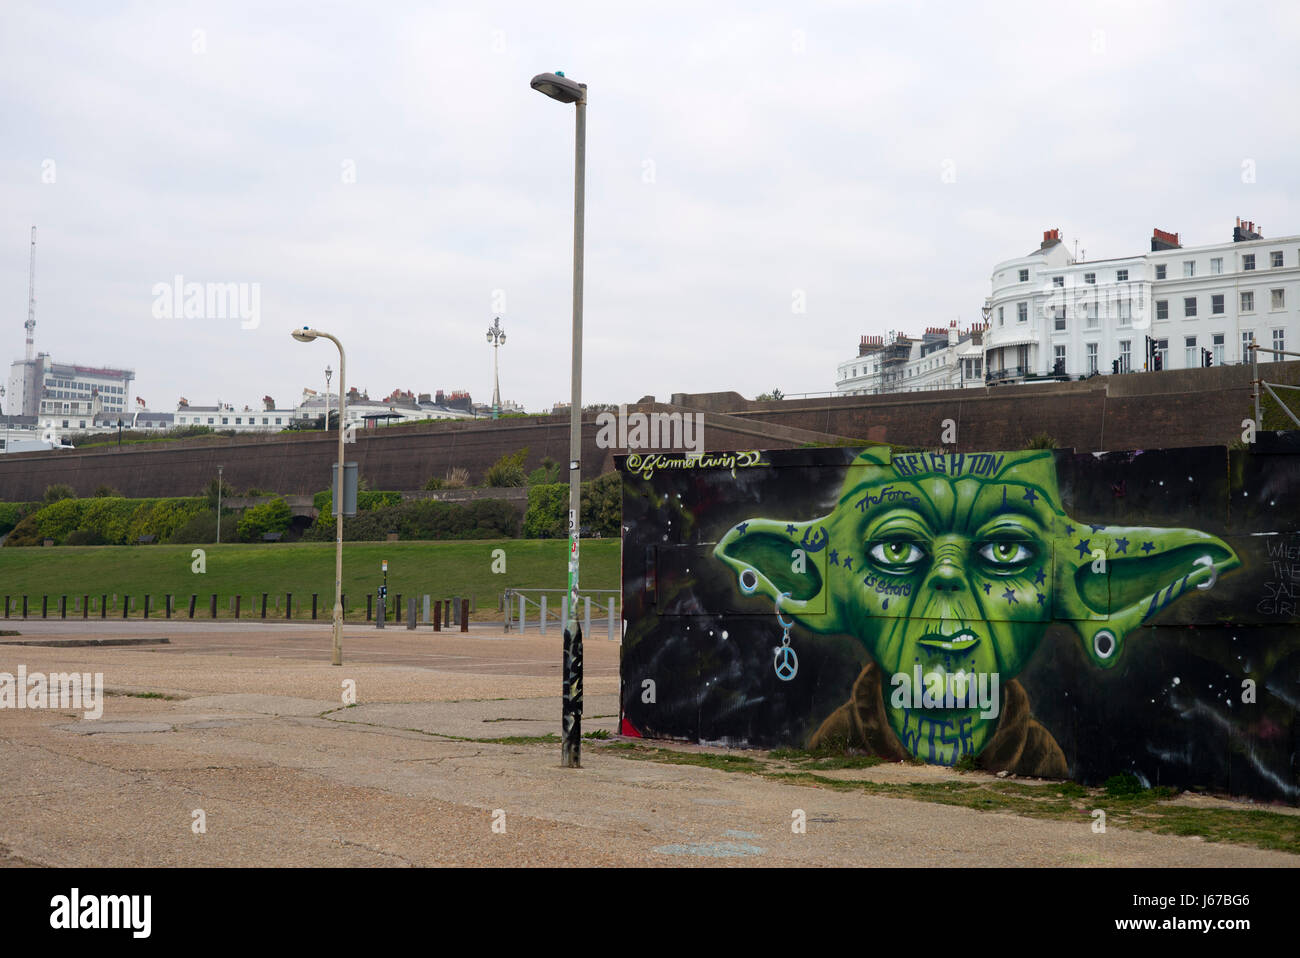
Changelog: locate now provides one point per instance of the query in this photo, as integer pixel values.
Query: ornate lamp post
(496, 337)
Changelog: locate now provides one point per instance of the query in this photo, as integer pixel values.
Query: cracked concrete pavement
(254, 733)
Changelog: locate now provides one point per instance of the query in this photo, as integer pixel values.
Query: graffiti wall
(1047, 613)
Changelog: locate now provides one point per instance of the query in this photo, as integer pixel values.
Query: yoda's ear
(783, 562)
(1144, 572)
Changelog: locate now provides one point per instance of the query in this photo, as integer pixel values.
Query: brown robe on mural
(1019, 745)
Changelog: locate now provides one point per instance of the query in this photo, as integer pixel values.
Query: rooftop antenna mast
(30, 325)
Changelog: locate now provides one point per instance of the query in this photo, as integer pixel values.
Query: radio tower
(30, 325)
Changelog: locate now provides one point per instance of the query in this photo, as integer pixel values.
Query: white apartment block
(942, 358)
(55, 392)
(1095, 316)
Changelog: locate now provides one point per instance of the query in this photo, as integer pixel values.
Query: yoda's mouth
(959, 641)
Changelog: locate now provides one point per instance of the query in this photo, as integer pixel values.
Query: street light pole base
(571, 750)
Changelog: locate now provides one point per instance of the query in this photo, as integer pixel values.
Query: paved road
(486, 649)
(259, 743)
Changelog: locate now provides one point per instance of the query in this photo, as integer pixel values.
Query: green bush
(424, 519)
(12, 513)
(547, 510)
(323, 502)
(273, 516)
(105, 491)
(1125, 783)
(508, 471)
(546, 474)
(108, 518)
(83, 537)
(601, 504)
(58, 491)
(210, 491)
(200, 529)
(25, 533)
(59, 518)
(106, 521)
(433, 484)
(161, 517)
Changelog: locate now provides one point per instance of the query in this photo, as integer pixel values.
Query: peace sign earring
(786, 662)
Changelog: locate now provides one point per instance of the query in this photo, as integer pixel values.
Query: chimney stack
(1163, 240)
(1245, 230)
(1050, 238)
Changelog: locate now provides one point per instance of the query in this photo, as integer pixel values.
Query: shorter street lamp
(220, 483)
(307, 335)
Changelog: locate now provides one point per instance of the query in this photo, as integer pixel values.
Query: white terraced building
(1095, 316)
(942, 358)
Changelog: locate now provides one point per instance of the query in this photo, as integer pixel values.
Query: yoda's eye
(896, 553)
(1005, 553)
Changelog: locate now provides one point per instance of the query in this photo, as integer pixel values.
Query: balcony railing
(1014, 373)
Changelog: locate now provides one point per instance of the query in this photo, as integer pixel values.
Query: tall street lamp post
(328, 373)
(559, 87)
(220, 482)
(306, 335)
(497, 337)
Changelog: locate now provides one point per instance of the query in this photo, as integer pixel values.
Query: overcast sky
(870, 160)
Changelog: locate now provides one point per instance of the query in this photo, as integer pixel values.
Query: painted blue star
(1148, 546)
(1121, 545)
(1030, 496)
(1069, 530)
(1095, 528)
(789, 528)
(848, 563)
(835, 557)
(1010, 596)
(742, 527)
(1084, 547)
(987, 587)
(1040, 597)
(1040, 577)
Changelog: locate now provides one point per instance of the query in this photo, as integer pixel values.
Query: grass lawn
(441, 569)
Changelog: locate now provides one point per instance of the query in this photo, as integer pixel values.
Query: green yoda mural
(948, 569)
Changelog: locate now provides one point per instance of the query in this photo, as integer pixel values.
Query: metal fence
(521, 605)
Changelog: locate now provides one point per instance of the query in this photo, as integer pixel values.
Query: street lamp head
(559, 87)
(304, 335)
(502, 339)
(490, 334)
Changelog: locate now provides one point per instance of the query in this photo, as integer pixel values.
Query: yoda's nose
(946, 577)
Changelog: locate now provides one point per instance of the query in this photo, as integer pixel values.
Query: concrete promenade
(245, 729)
